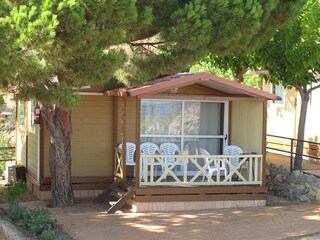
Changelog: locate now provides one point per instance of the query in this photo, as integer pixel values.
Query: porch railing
(311, 150)
(194, 170)
(118, 166)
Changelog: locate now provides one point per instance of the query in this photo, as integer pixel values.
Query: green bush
(2, 167)
(15, 211)
(39, 220)
(49, 234)
(14, 192)
(55, 234)
(62, 236)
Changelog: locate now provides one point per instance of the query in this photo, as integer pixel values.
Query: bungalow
(283, 118)
(194, 115)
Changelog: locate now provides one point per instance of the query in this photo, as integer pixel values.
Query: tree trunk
(239, 74)
(301, 127)
(58, 123)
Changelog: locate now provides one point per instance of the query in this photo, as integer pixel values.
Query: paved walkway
(294, 221)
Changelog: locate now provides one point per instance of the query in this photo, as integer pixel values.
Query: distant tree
(48, 48)
(231, 67)
(293, 60)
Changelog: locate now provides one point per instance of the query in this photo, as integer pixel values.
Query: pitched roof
(230, 88)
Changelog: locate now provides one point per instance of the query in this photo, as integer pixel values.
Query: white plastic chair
(213, 167)
(149, 148)
(130, 150)
(170, 149)
(233, 150)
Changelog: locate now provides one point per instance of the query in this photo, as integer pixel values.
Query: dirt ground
(285, 161)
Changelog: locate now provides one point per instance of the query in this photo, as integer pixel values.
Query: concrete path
(298, 221)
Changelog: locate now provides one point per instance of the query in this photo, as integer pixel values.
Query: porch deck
(187, 184)
(196, 170)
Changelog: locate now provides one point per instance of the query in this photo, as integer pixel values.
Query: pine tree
(50, 47)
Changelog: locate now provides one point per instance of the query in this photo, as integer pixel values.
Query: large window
(189, 124)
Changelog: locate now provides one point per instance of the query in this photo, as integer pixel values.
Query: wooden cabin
(199, 113)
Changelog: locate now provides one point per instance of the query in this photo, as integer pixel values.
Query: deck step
(121, 202)
(117, 191)
(117, 195)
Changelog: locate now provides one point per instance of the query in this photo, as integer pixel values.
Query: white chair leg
(210, 174)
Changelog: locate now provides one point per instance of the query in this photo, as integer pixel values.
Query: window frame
(182, 136)
(278, 103)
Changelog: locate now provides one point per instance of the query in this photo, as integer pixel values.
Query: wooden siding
(131, 120)
(33, 150)
(46, 144)
(92, 140)
(193, 89)
(247, 125)
(28, 142)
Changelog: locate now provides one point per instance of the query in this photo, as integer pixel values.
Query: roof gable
(217, 84)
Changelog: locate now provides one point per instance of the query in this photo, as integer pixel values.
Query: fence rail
(288, 145)
(195, 171)
(7, 154)
(118, 165)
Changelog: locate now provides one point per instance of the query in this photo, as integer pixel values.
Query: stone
(312, 193)
(267, 172)
(310, 178)
(318, 195)
(303, 198)
(296, 173)
(279, 178)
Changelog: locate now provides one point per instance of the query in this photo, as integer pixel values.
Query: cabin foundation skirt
(193, 205)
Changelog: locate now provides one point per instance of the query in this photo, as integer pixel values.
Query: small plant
(49, 235)
(2, 167)
(55, 234)
(15, 192)
(39, 220)
(15, 211)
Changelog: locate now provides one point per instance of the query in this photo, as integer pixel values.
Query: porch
(195, 170)
(199, 115)
(186, 184)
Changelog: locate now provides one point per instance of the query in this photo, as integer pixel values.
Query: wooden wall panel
(194, 89)
(247, 125)
(33, 150)
(46, 144)
(131, 120)
(92, 140)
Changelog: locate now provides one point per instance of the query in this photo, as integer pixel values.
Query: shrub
(55, 234)
(62, 236)
(15, 211)
(39, 220)
(15, 192)
(2, 167)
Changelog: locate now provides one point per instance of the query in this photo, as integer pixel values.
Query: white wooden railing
(194, 170)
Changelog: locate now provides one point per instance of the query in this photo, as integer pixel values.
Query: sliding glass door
(190, 124)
